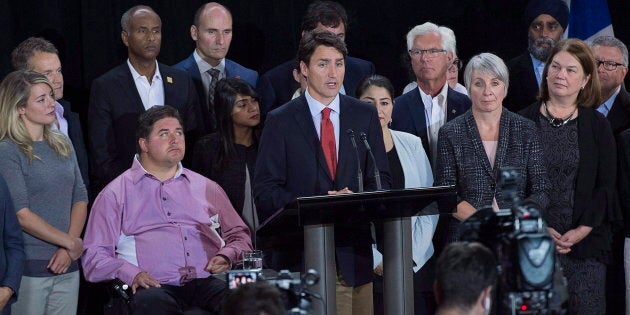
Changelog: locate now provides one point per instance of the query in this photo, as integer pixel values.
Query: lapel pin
(169, 79)
(453, 111)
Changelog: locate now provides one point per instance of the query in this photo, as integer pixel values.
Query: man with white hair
(424, 110)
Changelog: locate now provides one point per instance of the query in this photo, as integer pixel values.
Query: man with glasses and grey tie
(212, 33)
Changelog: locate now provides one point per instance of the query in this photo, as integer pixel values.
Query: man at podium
(305, 150)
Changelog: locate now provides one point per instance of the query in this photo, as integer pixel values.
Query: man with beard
(546, 20)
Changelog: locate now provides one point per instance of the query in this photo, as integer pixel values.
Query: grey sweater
(48, 186)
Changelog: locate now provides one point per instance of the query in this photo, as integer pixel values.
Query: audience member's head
(256, 298)
(452, 74)
(160, 136)
(465, 275)
(431, 49)
(572, 54)
(322, 62)
(40, 55)
(546, 20)
(212, 32)
(326, 15)
(141, 33)
(611, 56)
(379, 91)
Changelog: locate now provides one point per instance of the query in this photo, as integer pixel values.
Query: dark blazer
(523, 85)
(619, 115)
(115, 106)
(462, 161)
(277, 85)
(291, 164)
(623, 181)
(232, 69)
(408, 114)
(11, 245)
(75, 133)
(595, 201)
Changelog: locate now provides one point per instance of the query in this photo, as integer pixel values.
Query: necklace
(557, 122)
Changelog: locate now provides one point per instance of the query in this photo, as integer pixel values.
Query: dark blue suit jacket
(232, 69)
(115, 106)
(75, 133)
(619, 115)
(11, 245)
(523, 85)
(408, 114)
(291, 164)
(276, 86)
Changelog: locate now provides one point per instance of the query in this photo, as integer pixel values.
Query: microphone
(377, 174)
(350, 133)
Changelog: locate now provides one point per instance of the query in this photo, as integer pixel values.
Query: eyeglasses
(539, 26)
(456, 65)
(609, 65)
(429, 53)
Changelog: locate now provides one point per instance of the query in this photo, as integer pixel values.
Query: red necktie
(328, 141)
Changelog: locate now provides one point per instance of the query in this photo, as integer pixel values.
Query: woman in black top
(228, 156)
(579, 150)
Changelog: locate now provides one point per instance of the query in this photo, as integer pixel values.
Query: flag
(589, 19)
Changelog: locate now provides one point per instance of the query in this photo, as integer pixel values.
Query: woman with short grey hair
(475, 146)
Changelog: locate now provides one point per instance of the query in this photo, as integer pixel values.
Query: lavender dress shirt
(138, 223)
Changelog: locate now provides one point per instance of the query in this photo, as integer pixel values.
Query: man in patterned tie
(212, 33)
(304, 151)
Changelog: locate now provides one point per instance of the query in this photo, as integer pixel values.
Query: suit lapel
(126, 84)
(304, 120)
(478, 144)
(418, 115)
(170, 87)
(345, 157)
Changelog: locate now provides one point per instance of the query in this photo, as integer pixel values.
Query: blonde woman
(48, 193)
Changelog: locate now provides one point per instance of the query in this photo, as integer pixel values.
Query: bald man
(119, 96)
(212, 33)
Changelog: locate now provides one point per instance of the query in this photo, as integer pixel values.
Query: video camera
(524, 251)
(299, 298)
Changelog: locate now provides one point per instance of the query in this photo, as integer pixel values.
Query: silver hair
(487, 63)
(447, 35)
(610, 41)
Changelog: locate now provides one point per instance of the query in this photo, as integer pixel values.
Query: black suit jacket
(523, 85)
(276, 86)
(408, 114)
(75, 133)
(115, 106)
(291, 164)
(619, 115)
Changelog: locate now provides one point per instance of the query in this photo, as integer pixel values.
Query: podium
(317, 215)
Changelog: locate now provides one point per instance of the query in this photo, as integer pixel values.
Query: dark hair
(126, 17)
(150, 117)
(315, 38)
(224, 99)
(591, 95)
(26, 49)
(328, 13)
(375, 80)
(203, 7)
(463, 271)
(255, 298)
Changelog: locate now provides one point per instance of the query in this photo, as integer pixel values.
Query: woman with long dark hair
(228, 156)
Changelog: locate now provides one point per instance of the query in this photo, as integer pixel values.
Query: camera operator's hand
(144, 279)
(562, 247)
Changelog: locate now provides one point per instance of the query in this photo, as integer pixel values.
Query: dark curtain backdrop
(266, 33)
